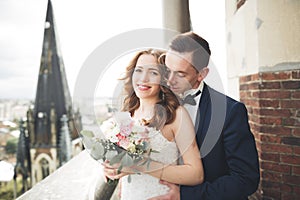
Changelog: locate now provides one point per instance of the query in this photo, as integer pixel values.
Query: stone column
(176, 17)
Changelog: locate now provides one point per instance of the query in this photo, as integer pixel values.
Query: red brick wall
(273, 103)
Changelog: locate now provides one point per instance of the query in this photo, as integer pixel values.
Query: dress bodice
(145, 186)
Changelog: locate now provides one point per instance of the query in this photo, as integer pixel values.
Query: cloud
(18, 88)
(22, 26)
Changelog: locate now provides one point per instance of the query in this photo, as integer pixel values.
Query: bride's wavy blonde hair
(165, 108)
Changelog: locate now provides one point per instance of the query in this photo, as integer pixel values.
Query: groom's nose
(171, 78)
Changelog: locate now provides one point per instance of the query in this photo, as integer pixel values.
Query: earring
(163, 96)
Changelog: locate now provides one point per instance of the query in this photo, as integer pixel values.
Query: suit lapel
(202, 115)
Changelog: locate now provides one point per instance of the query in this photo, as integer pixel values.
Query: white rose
(123, 118)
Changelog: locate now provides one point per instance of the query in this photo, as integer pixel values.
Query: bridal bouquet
(121, 140)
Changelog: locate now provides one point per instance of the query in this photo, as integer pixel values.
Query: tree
(11, 146)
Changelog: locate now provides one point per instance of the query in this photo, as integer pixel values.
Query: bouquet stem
(104, 191)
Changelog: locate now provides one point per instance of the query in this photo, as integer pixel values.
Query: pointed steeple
(41, 147)
(52, 95)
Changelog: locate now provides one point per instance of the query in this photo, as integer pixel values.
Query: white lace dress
(145, 186)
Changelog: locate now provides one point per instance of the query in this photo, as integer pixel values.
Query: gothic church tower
(52, 125)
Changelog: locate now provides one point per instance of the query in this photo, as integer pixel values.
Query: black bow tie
(189, 99)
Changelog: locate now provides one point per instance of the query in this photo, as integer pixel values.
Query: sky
(83, 25)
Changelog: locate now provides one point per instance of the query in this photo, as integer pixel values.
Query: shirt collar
(193, 91)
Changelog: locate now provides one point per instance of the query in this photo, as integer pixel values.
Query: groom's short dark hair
(192, 43)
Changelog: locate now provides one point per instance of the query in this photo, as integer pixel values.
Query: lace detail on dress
(145, 186)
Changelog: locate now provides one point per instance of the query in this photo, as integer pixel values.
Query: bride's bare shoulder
(181, 111)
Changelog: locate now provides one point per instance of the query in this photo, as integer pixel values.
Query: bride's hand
(112, 172)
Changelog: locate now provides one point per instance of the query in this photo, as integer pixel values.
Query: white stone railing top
(75, 180)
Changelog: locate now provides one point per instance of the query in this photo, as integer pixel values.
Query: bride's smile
(143, 87)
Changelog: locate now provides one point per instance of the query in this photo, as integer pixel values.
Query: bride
(149, 100)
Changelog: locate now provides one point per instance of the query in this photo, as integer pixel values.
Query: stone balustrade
(77, 179)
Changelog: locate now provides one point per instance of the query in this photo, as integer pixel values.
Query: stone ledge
(74, 180)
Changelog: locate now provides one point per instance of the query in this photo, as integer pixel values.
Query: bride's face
(146, 77)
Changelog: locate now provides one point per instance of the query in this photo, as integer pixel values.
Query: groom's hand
(173, 194)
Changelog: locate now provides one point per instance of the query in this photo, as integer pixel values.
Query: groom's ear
(202, 74)
(162, 59)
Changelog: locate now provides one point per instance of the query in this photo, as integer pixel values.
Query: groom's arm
(241, 158)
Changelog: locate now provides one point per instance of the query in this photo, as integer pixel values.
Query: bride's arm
(191, 171)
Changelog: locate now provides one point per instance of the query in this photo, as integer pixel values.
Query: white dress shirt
(192, 109)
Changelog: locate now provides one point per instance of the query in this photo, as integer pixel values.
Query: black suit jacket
(227, 149)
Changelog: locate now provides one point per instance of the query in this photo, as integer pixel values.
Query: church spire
(42, 148)
(52, 95)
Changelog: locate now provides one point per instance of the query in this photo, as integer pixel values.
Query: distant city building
(13, 109)
(49, 134)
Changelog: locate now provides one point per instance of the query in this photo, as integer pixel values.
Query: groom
(223, 134)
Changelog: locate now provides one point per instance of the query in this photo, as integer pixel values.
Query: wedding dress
(144, 186)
